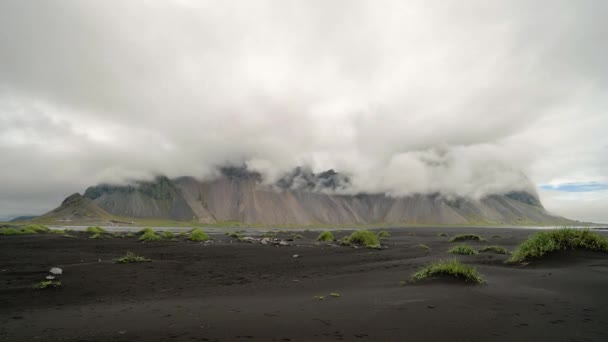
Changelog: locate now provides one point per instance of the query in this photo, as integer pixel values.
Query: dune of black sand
(235, 291)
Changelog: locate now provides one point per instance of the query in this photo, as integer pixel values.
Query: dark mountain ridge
(302, 197)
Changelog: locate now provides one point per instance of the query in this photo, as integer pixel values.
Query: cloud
(416, 96)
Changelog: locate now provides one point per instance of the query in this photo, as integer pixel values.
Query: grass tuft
(45, 284)
(363, 238)
(542, 243)
(494, 249)
(297, 236)
(423, 246)
(465, 237)
(451, 268)
(10, 231)
(96, 236)
(96, 230)
(326, 236)
(168, 235)
(442, 235)
(463, 250)
(38, 228)
(383, 234)
(335, 294)
(146, 230)
(149, 235)
(198, 235)
(131, 257)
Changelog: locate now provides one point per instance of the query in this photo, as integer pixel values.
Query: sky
(464, 98)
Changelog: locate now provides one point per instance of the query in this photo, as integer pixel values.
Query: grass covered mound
(362, 238)
(131, 257)
(463, 250)
(149, 235)
(542, 243)
(465, 237)
(326, 236)
(10, 231)
(383, 234)
(198, 235)
(36, 228)
(494, 249)
(450, 268)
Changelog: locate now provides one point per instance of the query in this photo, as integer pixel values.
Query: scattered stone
(56, 271)
(295, 256)
(50, 277)
(283, 243)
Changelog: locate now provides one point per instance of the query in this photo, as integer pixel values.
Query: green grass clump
(365, 238)
(96, 230)
(183, 233)
(297, 236)
(150, 236)
(57, 231)
(45, 284)
(130, 235)
(10, 231)
(451, 268)
(494, 249)
(37, 228)
(335, 294)
(268, 235)
(383, 234)
(423, 246)
(442, 234)
(198, 235)
(96, 236)
(542, 243)
(464, 237)
(131, 257)
(463, 250)
(146, 230)
(168, 235)
(326, 236)
(235, 235)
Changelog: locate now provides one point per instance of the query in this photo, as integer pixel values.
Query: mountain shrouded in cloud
(402, 97)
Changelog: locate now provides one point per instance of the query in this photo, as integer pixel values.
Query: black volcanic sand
(235, 291)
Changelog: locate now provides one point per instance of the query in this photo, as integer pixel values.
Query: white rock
(50, 277)
(56, 271)
(283, 243)
(295, 256)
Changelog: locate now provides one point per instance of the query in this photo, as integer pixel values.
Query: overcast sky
(462, 97)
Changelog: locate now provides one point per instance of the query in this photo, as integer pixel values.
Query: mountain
(77, 209)
(300, 197)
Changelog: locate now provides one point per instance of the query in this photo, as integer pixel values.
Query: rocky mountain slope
(300, 197)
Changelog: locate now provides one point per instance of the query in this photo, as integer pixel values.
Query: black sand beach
(236, 291)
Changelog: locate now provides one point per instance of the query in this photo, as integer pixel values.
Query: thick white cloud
(405, 96)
